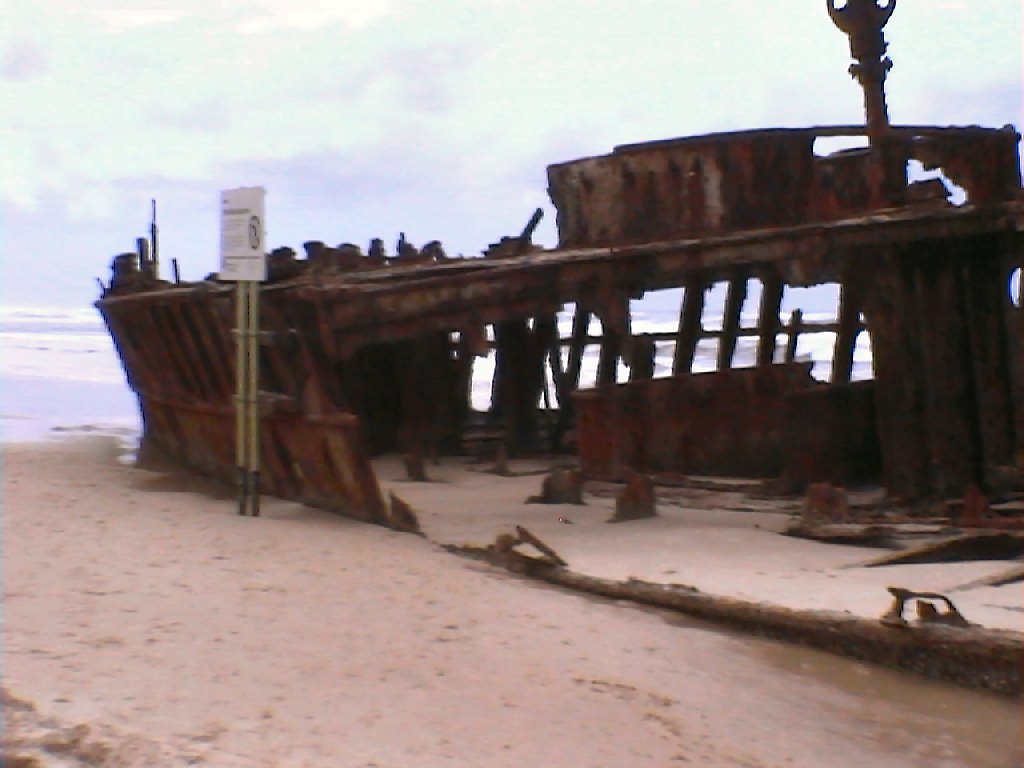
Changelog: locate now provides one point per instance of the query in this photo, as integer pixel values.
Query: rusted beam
(897, 358)
(1013, 312)
(796, 322)
(953, 445)
(608, 360)
(769, 322)
(641, 367)
(553, 349)
(177, 316)
(514, 392)
(991, 342)
(616, 338)
(163, 344)
(731, 319)
(546, 345)
(849, 328)
(571, 378)
(581, 325)
(214, 337)
(690, 328)
(472, 343)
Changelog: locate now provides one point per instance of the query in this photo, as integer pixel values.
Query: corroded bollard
(637, 500)
(560, 486)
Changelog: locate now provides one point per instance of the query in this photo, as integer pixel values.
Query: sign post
(243, 260)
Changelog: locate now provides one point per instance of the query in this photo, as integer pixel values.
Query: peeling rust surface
(731, 422)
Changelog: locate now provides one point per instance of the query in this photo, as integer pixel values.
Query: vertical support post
(515, 391)
(545, 332)
(247, 410)
(731, 320)
(608, 359)
(571, 377)
(1013, 259)
(689, 326)
(796, 323)
(142, 249)
(580, 329)
(641, 367)
(241, 394)
(616, 338)
(243, 260)
(154, 243)
(983, 286)
(846, 338)
(897, 357)
(254, 396)
(952, 439)
(768, 325)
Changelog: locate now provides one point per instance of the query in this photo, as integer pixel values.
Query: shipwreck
(366, 353)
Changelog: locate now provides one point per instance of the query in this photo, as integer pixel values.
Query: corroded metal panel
(832, 436)
(172, 349)
(684, 188)
(728, 423)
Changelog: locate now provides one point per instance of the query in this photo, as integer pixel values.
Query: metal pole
(254, 396)
(241, 382)
(154, 250)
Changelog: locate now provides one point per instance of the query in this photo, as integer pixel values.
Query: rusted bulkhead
(176, 347)
(721, 183)
(945, 335)
(764, 422)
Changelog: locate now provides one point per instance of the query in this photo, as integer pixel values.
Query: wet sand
(141, 606)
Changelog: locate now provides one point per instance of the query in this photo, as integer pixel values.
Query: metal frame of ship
(363, 354)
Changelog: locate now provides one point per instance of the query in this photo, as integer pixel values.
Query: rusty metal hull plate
(729, 423)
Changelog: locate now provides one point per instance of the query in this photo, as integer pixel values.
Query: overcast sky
(436, 118)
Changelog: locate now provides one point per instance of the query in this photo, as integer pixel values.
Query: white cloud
(23, 60)
(260, 16)
(440, 114)
(130, 17)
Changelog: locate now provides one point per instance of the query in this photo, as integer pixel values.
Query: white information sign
(242, 233)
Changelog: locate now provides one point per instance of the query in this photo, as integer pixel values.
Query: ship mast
(862, 21)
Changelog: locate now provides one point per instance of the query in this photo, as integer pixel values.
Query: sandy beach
(141, 610)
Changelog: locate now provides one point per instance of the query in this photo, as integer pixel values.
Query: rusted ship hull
(360, 357)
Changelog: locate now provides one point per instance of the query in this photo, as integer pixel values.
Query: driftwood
(972, 657)
(851, 534)
(984, 546)
(1011, 576)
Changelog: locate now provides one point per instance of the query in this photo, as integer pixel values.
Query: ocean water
(651, 317)
(59, 371)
